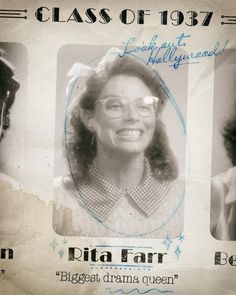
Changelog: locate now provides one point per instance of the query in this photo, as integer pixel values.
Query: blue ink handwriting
(167, 52)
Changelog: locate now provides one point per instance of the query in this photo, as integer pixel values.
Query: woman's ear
(87, 119)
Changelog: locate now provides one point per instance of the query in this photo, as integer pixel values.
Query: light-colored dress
(154, 209)
(223, 205)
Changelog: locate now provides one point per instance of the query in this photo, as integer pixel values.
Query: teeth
(131, 133)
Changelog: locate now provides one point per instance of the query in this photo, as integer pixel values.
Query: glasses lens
(113, 106)
(147, 105)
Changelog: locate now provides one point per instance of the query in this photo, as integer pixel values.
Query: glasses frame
(126, 102)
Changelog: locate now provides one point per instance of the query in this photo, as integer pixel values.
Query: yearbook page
(117, 147)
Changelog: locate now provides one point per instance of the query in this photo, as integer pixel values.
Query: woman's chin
(123, 149)
(129, 149)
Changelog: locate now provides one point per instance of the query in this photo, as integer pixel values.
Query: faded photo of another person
(223, 189)
(223, 202)
(124, 176)
(11, 208)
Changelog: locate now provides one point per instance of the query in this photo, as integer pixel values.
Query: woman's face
(130, 133)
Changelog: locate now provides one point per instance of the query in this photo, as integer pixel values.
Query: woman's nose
(130, 113)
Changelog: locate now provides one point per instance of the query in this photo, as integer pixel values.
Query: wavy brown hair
(80, 144)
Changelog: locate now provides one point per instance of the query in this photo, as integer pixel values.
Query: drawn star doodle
(61, 253)
(177, 252)
(65, 241)
(181, 237)
(54, 244)
(167, 242)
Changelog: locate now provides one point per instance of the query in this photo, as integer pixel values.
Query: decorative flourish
(58, 246)
(228, 20)
(13, 13)
(181, 237)
(61, 253)
(167, 242)
(177, 251)
(121, 291)
(54, 244)
(65, 241)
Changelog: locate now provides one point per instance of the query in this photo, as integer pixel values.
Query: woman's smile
(130, 134)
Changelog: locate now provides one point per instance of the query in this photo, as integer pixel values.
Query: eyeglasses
(114, 106)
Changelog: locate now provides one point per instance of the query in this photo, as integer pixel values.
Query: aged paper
(117, 147)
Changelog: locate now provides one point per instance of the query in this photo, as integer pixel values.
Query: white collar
(100, 197)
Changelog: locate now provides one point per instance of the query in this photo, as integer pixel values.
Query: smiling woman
(123, 174)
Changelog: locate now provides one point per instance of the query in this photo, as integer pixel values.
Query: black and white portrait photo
(223, 193)
(13, 68)
(119, 145)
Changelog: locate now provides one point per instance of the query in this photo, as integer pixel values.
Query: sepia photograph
(123, 177)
